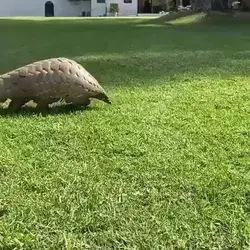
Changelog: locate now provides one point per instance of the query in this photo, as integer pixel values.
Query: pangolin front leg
(78, 102)
(85, 103)
(17, 103)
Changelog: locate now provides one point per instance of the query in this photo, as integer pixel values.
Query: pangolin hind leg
(44, 103)
(4, 99)
(17, 103)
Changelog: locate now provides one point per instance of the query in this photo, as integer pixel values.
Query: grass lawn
(166, 166)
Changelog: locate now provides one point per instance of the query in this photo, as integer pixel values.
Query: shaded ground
(128, 45)
(165, 167)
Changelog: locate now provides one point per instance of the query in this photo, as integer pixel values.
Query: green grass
(167, 166)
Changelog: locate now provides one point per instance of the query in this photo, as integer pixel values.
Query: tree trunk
(245, 5)
(201, 5)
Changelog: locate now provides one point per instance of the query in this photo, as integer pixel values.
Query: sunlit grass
(166, 166)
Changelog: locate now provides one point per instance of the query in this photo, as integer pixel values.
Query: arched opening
(49, 9)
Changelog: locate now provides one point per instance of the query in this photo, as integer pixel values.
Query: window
(127, 1)
(100, 1)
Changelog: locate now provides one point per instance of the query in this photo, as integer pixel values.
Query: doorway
(49, 9)
(151, 6)
(185, 3)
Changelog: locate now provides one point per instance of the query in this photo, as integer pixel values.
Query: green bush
(114, 8)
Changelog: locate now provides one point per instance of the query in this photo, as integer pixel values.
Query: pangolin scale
(48, 81)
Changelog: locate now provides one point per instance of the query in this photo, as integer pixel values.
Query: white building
(64, 7)
(73, 8)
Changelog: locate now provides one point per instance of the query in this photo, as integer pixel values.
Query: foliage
(114, 7)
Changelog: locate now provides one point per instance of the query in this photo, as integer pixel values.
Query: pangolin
(48, 81)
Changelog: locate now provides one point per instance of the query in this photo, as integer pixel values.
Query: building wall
(71, 8)
(37, 7)
(98, 9)
(63, 7)
(125, 8)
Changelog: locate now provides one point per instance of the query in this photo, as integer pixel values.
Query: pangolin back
(50, 78)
